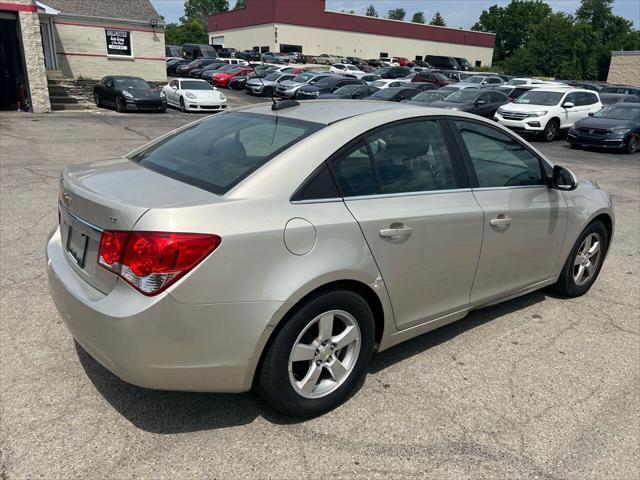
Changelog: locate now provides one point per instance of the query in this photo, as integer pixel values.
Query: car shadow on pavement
(166, 412)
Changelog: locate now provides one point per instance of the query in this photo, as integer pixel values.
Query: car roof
(324, 111)
(557, 89)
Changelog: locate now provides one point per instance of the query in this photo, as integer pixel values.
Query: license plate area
(77, 243)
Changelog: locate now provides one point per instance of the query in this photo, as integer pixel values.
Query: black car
(128, 93)
(513, 91)
(463, 63)
(197, 72)
(227, 53)
(172, 51)
(199, 63)
(250, 55)
(424, 86)
(355, 92)
(191, 51)
(610, 98)
(471, 100)
(326, 85)
(239, 83)
(424, 99)
(438, 61)
(209, 70)
(625, 89)
(394, 72)
(615, 126)
(172, 65)
(395, 94)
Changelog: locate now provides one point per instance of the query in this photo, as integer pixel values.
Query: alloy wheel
(587, 259)
(324, 354)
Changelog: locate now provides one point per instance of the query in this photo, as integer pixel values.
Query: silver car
(278, 249)
(266, 86)
(289, 88)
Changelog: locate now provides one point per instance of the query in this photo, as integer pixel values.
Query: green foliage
(200, 9)
(396, 14)
(418, 17)
(240, 4)
(189, 31)
(511, 24)
(437, 20)
(371, 11)
(531, 40)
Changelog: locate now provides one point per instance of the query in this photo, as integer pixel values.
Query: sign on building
(118, 42)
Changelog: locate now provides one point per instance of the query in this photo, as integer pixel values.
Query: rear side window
(354, 172)
(219, 152)
(499, 160)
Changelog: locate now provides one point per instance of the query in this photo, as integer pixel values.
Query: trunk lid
(112, 195)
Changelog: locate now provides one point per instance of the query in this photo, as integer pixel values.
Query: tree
(371, 11)
(418, 17)
(396, 14)
(511, 24)
(438, 20)
(189, 31)
(240, 4)
(200, 9)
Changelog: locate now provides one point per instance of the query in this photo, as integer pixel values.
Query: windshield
(219, 152)
(347, 89)
(463, 96)
(430, 96)
(273, 77)
(133, 83)
(474, 79)
(517, 82)
(324, 81)
(303, 78)
(351, 67)
(315, 80)
(385, 93)
(540, 98)
(194, 85)
(620, 112)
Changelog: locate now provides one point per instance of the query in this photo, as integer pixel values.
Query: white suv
(547, 111)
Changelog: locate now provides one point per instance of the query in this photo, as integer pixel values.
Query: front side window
(498, 159)
(403, 158)
(219, 152)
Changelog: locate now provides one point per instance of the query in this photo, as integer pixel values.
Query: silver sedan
(278, 249)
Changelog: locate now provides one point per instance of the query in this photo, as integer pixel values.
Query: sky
(456, 13)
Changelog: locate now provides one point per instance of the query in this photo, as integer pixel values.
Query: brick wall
(34, 61)
(624, 68)
(82, 50)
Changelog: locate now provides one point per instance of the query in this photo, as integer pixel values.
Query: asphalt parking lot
(537, 387)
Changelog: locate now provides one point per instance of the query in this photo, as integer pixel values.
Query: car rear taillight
(151, 261)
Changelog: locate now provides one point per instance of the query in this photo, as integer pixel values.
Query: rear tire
(339, 326)
(550, 132)
(585, 261)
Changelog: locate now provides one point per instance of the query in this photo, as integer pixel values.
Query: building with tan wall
(624, 68)
(73, 39)
(283, 26)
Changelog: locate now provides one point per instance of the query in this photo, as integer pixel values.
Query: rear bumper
(158, 342)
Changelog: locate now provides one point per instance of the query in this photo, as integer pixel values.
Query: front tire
(96, 97)
(119, 107)
(550, 132)
(633, 146)
(321, 355)
(183, 107)
(585, 261)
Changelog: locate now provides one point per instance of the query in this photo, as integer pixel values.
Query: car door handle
(500, 221)
(395, 232)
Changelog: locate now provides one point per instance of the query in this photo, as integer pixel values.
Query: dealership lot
(538, 387)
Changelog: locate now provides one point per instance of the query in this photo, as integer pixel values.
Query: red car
(431, 77)
(222, 79)
(405, 62)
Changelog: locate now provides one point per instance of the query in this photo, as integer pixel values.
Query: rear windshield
(219, 152)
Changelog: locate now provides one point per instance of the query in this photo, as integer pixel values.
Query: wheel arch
(359, 287)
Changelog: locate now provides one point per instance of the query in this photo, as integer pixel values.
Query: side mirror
(591, 114)
(480, 102)
(568, 105)
(563, 179)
